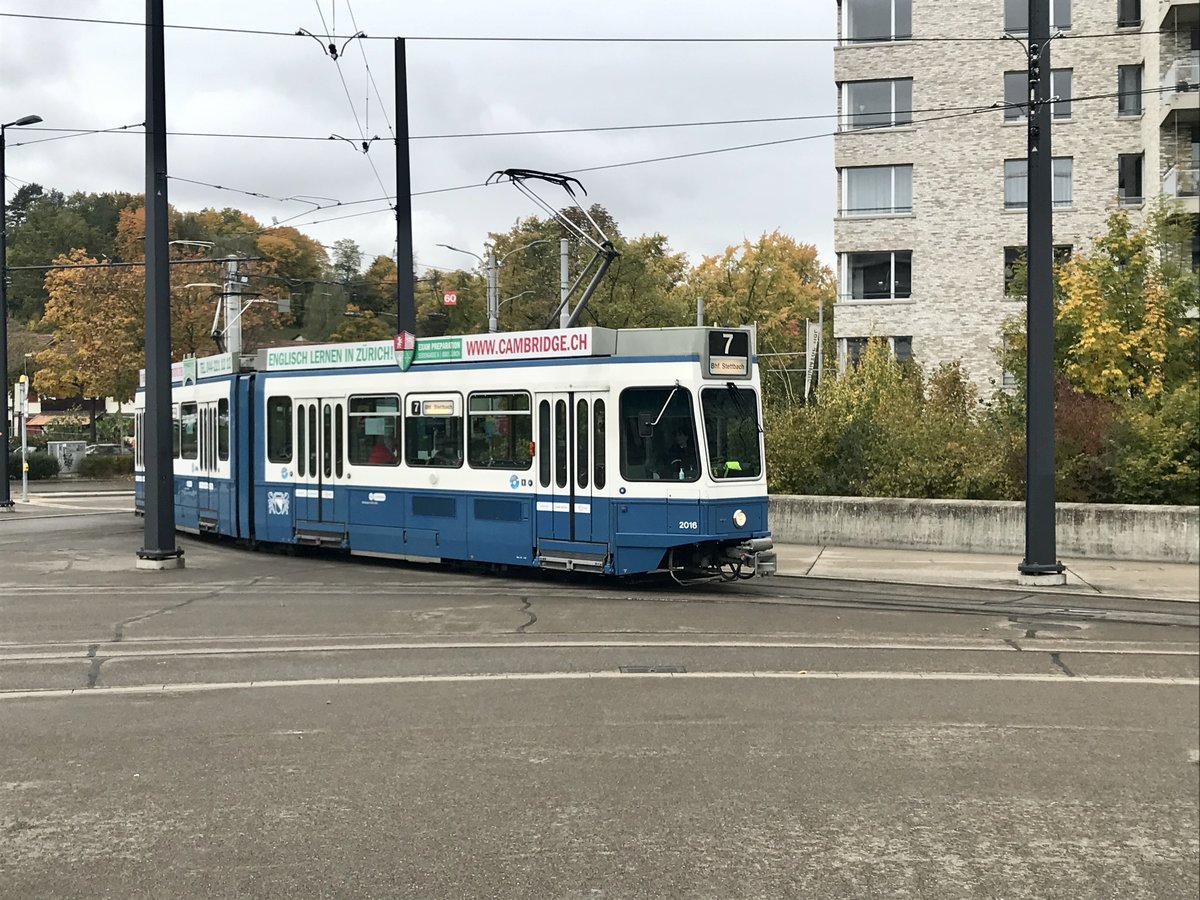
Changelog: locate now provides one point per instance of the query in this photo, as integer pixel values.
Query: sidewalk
(1109, 577)
(72, 484)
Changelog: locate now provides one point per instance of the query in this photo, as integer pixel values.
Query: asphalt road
(273, 726)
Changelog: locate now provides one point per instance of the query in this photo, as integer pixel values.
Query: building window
(1060, 86)
(1129, 90)
(877, 190)
(851, 349)
(1016, 94)
(875, 104)
(1016, 15)
(885, 275)
(1016, 183)
(1129, 13)
(1016, 274)
(1129, 179)
(877, 20)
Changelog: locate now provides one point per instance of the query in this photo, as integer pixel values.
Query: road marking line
(117, 652)
(201, 687)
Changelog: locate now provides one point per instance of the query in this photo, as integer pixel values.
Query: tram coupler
(756, 553)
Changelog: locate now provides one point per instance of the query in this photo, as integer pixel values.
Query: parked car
(106, 450)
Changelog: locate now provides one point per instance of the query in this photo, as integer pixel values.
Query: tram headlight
(739, 518)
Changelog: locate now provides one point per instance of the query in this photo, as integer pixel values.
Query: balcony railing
(1182, 181)
(1185, 70)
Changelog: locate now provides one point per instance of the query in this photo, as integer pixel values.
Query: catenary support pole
(1040, 565)
(6, 420)
(159, 550)
(564, 281)
(406, 302)
(493, 291)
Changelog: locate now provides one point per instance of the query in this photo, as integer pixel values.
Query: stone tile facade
(958, 228)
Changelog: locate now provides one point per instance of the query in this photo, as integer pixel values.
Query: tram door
(320, 469)
(214, 454)
(571, 467)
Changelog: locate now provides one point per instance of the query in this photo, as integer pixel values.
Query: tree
(97, 324)
(347, 260)
(1121, 329)
(362, 325)
(377, 289)
(774, 282)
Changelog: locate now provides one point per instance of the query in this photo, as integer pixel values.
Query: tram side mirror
(645, 428)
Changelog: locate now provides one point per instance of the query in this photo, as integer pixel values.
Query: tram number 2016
(689, 526)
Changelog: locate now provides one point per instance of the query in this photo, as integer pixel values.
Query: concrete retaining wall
(1088, 530)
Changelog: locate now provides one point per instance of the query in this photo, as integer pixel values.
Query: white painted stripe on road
(201, 687)
(119, 652)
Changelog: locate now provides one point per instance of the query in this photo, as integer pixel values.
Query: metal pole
(493, 291)
(6, 419)
(820, 341)
(699, 312)
(159, 551)
(24, 408)
(232, 299)
(406, 301)
(564, 290)
(1040, 565)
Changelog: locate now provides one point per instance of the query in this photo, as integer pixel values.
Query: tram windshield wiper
(670, 396)
(738, 405)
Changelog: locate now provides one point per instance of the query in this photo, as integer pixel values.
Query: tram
(614, 451)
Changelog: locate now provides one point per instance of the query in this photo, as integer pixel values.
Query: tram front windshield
(732, 432)
(658, 435)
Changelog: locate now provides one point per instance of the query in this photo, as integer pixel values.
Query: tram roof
(563, 343)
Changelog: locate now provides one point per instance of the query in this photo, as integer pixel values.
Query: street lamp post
(491, 267)
(5, 421)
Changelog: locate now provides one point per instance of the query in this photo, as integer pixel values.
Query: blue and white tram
(614, 451)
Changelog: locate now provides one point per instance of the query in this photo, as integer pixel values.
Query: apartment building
(932, 194)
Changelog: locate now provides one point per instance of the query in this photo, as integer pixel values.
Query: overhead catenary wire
(577, 130)
(562, 39)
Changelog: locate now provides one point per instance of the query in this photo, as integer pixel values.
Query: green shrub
(1156, 450)
(106, 466)
(41, 466)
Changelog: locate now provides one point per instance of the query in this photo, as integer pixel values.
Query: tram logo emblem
(405, 344)
(278, 503)
(514, 482)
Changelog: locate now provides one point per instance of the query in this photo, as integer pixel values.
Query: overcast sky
(88, 75)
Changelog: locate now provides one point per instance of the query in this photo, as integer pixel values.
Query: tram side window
(598, 443)
(544, 444)
(279, 429)
(189, 432)
(658, 435)
(433, 432)
(501, 428)
(374, 430)
(222, 430)
(175, 431)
